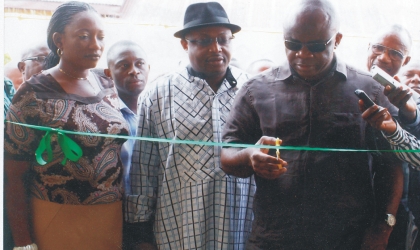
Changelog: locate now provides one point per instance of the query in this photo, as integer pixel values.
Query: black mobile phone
(366, 100)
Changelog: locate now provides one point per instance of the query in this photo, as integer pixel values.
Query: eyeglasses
(379, 49)
(35, 58)
(312, 47)
(204, 42)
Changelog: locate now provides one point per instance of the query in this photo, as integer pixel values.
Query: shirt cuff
(396, 137)
(410, 125)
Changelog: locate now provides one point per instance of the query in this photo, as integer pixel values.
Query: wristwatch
(32, 246)
(390, 220)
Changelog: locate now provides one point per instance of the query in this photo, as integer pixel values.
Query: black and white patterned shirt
(182, 187)
(403, 140)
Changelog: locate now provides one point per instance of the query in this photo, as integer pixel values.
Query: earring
(59, 52)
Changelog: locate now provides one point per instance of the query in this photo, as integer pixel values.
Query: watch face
(391, 220)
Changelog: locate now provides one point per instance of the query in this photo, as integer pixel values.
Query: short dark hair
(401, 31)
(118, 46)
(61, 17)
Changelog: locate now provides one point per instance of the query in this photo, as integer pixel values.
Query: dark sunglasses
(35, 58)
(312, 47)
(204, 42)
(379, 49)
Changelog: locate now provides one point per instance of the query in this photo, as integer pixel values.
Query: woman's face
(82, 42)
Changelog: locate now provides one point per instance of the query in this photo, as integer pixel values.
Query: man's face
(130, 71)
(33, 62)
(206, 55)
(311, 28)
(388, 52)
(410, 76)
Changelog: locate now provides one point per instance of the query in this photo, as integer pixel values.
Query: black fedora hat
(205, 14)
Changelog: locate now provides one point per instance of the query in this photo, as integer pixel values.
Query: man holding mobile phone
(389, 50)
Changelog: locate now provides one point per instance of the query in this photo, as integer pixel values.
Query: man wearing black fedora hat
(179, 189)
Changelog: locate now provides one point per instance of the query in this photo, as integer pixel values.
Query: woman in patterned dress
(65, 204)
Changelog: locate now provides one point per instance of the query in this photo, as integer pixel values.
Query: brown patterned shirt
(96, 177)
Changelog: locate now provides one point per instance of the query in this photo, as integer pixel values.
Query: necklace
(79, 78)
(67, 74)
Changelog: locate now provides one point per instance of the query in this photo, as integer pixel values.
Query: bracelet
(32, 246)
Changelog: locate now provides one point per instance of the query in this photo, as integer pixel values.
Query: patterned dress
(96, 177)
(182, 187)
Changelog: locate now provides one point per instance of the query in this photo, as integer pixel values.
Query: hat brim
(234, 28)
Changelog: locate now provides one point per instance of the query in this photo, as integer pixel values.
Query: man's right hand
(263, 164)
(401, 98)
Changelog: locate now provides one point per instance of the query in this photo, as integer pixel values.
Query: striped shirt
(403, 140)
(182, 187)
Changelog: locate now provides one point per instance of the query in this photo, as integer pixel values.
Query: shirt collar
(124, 107)
(229, 77)
(285, 71)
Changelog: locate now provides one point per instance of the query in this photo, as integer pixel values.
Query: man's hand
(376, 237)
(378, 117)
(401, 98)
(265, 165)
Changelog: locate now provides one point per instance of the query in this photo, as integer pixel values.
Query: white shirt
(182, 187)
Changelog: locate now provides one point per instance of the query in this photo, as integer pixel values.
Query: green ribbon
(70, 148)
(71, 151)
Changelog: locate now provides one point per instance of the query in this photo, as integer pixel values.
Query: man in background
(129, 68)
(32, 61)
(389, 50)
(409, 75)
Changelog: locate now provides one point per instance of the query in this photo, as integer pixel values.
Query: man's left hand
(376, 237)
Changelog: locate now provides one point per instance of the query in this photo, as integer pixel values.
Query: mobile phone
(365, 98)
(383, 78)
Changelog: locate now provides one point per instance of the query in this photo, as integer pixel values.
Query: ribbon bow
(71, 150)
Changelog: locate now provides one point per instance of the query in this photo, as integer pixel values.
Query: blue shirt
(127, 147)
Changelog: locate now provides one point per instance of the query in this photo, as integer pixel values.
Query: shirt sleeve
(20, 142)
(140, 203)
(413, 127)
(242, 125)
(403, 140)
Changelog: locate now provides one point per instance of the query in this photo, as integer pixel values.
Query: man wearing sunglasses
(178, 190)
(313, 199)
(33, 60)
